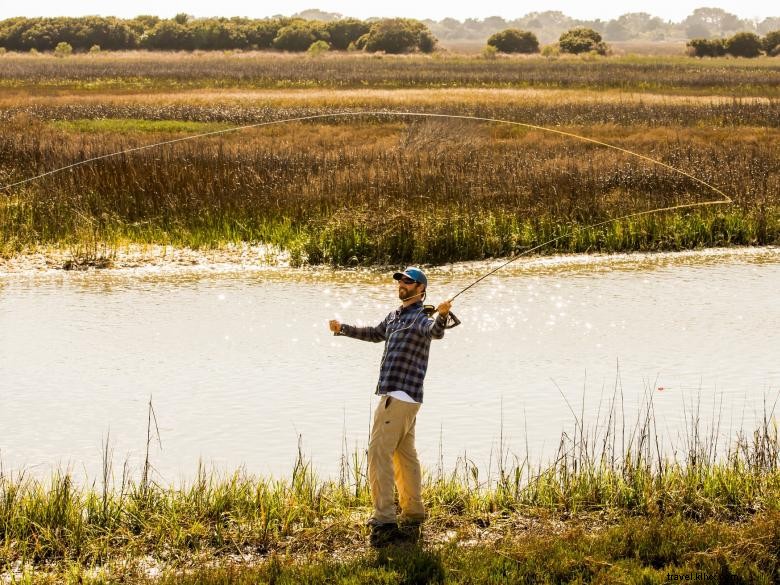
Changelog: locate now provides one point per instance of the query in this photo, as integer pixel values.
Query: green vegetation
(610, 505)
(743, 44)
(582, 40)
(395, 36)
(707, 47)
(771, 43)
(513, 40)
(123, 126)
(183, 33)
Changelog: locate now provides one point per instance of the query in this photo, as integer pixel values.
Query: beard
(406, 294)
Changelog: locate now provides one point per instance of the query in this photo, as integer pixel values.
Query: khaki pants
(392, 458)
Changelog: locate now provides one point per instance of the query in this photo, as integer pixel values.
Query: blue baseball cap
(414, 273)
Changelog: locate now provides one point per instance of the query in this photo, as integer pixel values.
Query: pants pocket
(388, 400)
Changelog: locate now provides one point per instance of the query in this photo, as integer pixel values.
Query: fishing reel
(452, 320)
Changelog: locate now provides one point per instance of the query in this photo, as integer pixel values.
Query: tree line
(549, 25)
(394, 35)
(315, 31)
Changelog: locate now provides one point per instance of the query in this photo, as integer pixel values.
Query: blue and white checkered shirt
(407, 333)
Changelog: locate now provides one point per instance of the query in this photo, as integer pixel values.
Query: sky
(675, 10)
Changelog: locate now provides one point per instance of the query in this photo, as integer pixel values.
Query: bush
(94, 49)
(318, 48)
(489, 52)
(551, 51)
(63, 49)
(513, 40)
(744, 44)
(2, 51)
(582, 40)
(426, 41)
(706, 47)
(771, 42)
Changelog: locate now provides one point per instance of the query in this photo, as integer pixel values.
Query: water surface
(240, 364)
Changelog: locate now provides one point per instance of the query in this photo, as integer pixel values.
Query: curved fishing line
(725, 198)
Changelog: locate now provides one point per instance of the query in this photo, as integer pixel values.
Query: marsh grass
(140, 71)
(462, 191)
(611, 499)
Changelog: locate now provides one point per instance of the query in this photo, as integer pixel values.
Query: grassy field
(134, 71)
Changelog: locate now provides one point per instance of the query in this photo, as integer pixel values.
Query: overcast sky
(675, 10)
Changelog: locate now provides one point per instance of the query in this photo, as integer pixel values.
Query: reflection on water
(239, 364)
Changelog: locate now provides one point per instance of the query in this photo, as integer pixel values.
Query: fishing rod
(725, 199)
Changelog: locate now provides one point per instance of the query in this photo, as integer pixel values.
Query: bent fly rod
(723, 198)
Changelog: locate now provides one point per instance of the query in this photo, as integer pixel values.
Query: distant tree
(168, 35)
(771, 43)
(397, 35)
(698, 30)
(711, 21)
(181, 18)
(582, 40)
(493, 23)
(218, 34)
(316, 14)
(768, 25)
(426, 42)
(617, 31)
(147, 21)
(111, 34)
(598, 25)
(43, 34)
(640, 22)
(632, 25)
(299, 36)
(706, 47)
(513, 40)
(345, 31)
(744, 44)
(450, 28)
(548, 25)
(260, 34)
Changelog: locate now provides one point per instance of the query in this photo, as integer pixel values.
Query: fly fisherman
(392, 457)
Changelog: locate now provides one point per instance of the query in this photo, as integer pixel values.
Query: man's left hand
(444, 308)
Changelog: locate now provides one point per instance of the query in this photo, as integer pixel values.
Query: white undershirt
(401, 395)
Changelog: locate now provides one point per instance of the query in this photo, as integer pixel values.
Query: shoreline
(155, 259)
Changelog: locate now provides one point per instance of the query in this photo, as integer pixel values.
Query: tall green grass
(611, 492)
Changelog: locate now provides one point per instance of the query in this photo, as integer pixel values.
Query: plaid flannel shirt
(407, 333)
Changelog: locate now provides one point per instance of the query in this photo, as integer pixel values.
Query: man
(392, 457)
